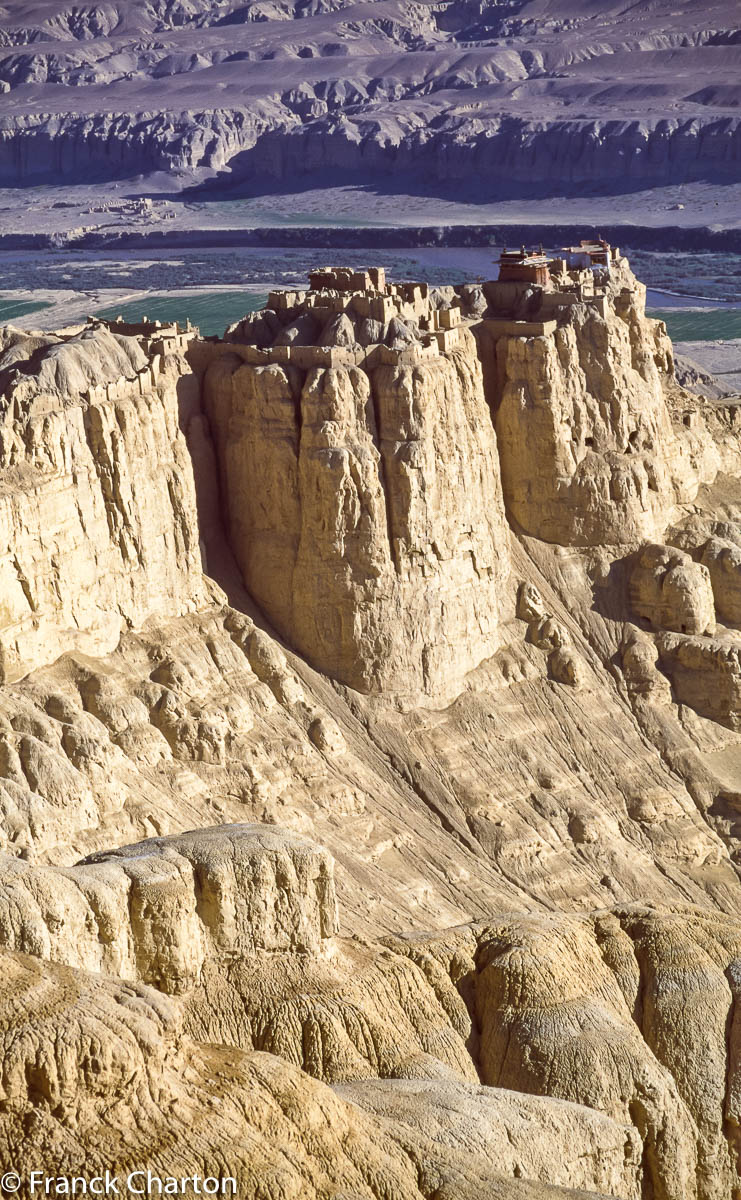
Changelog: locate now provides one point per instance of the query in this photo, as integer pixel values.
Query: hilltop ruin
(447, 580)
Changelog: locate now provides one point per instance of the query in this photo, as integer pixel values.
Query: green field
(684, 325)
(10, 309)
(210, 311)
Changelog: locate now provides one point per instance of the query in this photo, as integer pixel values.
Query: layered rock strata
(103, 1077)
(723, 561)
(630, 1011)
(349, 417)
(706, 675)
(589, 455)
(670, 591)
(487, 98)
(155, 911)
(97, 503)
(489, 892)
(612, 1033)
(340, 468)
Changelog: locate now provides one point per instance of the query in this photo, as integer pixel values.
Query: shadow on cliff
(610, 592)
(218, 560)
(245, 178)
(611, 600)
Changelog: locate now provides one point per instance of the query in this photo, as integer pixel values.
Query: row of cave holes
(632, 441)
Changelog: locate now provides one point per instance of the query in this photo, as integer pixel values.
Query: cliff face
(436, 896)
(566, 154)
(343, 463)
(232, 144)
(98, 504)
(589, 455)
(340, 486)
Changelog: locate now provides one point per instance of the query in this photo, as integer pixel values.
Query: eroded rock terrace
(369, 760)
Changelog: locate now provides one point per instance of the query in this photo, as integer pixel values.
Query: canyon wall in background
(490, 99)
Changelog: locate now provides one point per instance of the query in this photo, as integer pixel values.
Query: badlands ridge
(470, 98)
(370, 752)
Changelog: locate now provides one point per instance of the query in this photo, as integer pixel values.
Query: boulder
(670, 591)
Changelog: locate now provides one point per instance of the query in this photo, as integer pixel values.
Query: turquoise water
(10, 310)
(683, 325)
(211, 311)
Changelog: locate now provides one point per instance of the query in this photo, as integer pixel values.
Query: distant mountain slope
(500, 96)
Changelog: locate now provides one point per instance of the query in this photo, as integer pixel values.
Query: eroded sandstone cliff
(98, 504)
(494, 98)
(351, 540)
(397, 855)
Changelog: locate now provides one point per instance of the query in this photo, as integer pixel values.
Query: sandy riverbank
(722, 359)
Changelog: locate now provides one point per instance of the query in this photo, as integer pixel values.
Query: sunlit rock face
(589, 455)
(399, 858)
(344, 488)
(365, 473)
(98, 529)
